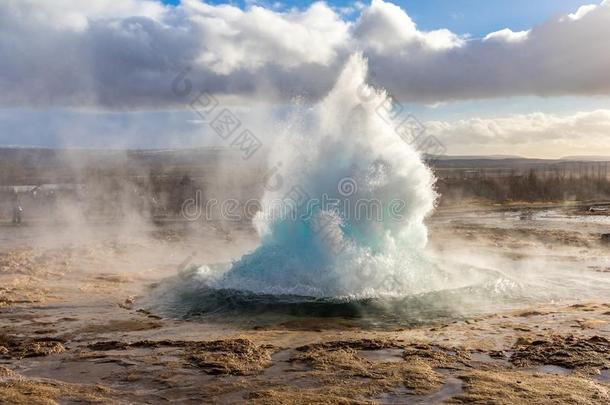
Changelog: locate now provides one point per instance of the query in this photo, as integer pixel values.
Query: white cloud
(75, 14)
(540, 134)
(581, 12)
(232, 39)
(126, 54)
(385, 27)
(507, 35)
(556, 58)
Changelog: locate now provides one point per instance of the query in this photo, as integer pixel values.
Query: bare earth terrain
(75, 326)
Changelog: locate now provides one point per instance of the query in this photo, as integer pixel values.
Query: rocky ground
(73, 329)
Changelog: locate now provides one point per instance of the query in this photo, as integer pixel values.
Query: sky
(474, 17)
(485, 77)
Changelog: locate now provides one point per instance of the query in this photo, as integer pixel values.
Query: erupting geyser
(347, 219)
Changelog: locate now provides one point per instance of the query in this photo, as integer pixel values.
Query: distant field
(109, 183)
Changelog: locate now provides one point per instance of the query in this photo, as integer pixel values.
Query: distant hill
(473, 157)
(586, 158)
(575, 158)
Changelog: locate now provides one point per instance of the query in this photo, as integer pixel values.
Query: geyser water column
(347, 219)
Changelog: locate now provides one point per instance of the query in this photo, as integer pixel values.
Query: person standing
(17, 209)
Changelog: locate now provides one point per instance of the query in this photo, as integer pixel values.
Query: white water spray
(368, 239)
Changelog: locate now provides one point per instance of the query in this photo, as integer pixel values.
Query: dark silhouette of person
(17, 209)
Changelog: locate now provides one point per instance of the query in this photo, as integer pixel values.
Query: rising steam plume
(368, 238)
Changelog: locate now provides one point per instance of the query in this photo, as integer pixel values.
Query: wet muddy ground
(74, 329)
